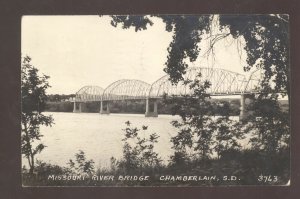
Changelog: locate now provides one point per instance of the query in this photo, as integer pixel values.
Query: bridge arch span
(223, 82)
(89, 94)
(126, 89)
(254, 81)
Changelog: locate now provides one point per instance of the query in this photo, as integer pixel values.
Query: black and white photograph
(155, 100)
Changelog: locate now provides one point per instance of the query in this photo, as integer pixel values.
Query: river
(99, 136)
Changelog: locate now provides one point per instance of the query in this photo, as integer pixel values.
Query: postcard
(155, 100)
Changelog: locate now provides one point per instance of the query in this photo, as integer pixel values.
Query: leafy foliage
(270, 126)
(187, 35)
(138, 151)
(200, 135)
(33, 88)
(81, 165)
(194, 111)
(227, 135)
(267, 46)
(138, 21)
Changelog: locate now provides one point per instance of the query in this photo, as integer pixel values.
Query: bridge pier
(79, 110)
(246, 100)
(107, 108)
(148, 112)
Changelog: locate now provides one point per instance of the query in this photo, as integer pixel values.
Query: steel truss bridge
(223, 83)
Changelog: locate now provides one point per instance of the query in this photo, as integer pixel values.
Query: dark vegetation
(138, 106)
(59, 98)
(134, 106)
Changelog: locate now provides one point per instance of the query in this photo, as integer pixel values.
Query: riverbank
(132, 106)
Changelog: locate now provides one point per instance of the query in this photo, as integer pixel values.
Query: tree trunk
(31, 170)
(32, 164)
(30, 155)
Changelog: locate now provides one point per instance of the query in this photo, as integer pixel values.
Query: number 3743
(267, 178)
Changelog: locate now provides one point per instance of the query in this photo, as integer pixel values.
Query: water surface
(99, 136)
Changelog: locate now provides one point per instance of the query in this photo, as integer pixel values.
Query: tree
(266, 37)
(227, 131)
(33, 88)
(200, 134)
(267, 46)
(269, 126)
(195, 136)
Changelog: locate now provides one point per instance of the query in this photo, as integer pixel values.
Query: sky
(76, 51)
